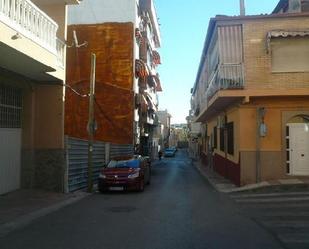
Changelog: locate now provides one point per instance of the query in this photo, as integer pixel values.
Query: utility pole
(91, 122)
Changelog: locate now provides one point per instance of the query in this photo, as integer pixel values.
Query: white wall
(100, 11)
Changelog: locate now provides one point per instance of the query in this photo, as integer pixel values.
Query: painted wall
(98, 11)
(113, 45)
(272, 147)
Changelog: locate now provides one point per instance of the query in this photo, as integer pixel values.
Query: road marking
(286, 224)
(272, 200)
(268, 195)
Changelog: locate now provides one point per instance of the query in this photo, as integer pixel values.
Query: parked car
(131, 173)
(169, 152)
(174, 148)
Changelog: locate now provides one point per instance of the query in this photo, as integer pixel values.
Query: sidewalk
(21, 207)
(225, 186)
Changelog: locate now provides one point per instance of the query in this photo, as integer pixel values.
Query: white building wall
(100, 11)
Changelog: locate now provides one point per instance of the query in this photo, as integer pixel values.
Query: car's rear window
(123, 164)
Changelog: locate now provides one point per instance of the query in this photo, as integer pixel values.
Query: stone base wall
(227, 169)
(43, 169)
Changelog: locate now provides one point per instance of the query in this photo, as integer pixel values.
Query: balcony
(26, 20)
(227, 76)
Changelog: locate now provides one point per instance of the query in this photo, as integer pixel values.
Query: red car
(125, 174)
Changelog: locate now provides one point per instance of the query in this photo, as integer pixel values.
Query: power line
(76, 92)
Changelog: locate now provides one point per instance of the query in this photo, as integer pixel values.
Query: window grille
(230, 138)
(10, 107)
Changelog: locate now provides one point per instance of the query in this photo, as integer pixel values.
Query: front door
(299, 148)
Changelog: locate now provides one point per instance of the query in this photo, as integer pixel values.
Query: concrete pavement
(21, 207)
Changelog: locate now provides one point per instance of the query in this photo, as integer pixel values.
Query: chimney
(242, 7)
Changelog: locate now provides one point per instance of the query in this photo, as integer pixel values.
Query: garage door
(10, 138)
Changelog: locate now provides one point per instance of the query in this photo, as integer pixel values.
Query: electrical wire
(76, 92)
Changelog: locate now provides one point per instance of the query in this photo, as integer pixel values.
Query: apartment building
(125, 37)
(32, 74)
(164, 118)
(252, 93)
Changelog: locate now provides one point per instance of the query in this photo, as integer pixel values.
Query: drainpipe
(258, 148)
(260, 114)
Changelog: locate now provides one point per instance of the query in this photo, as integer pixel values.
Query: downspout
(261, 131)
(258, 147)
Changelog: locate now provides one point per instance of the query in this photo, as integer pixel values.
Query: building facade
(252, 99)
(124, 35)
(32, 74)
(165, 120)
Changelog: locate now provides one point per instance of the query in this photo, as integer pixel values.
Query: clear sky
(183, 29)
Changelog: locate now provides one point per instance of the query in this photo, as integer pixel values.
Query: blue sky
(183, 29)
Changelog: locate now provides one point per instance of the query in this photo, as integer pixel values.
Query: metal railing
(227, 76)
(60, 46)
(27, 19)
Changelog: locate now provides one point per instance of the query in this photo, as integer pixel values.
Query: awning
(151, 103)
(141, 70)
(156, 57)
(158, 81)
(144, 104)
(283, 34)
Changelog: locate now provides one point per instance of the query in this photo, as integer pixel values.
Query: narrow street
(179, 210)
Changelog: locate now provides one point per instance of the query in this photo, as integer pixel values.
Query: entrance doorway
(298, 147)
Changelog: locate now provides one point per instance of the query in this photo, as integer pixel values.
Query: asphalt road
(282, 212)
(179, 210)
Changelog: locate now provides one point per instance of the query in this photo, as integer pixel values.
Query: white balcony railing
(60, 46)
(27, 19)
(227, 76)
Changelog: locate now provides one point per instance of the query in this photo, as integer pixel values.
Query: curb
(26, 219)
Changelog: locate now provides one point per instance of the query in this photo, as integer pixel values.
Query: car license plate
(116, 188)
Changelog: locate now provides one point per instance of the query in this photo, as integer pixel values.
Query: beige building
(252, 93)
(32, 74)
(165, 119)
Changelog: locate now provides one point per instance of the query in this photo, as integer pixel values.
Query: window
(222, 140)
(285, 50)
(215, 138)
(230, 138)
(10, 107)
